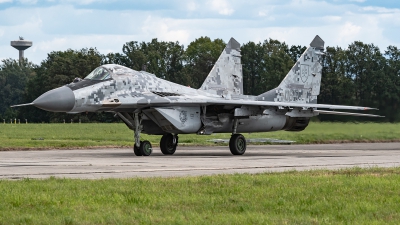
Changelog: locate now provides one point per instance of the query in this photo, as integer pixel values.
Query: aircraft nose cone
(61, 99)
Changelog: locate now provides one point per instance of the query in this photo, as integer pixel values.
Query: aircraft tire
(237, 144)
(166, 144)
(136, 150)
(145, 148)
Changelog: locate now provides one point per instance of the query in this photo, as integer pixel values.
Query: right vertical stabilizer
(303, 81)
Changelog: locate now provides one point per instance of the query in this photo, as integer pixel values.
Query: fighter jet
(151, 105)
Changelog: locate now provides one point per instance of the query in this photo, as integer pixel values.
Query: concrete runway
(193, 161)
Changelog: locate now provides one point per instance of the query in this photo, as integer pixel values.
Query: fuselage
(120, 87)
(120, 90)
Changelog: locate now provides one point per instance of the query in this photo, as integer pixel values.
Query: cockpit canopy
(99, 73)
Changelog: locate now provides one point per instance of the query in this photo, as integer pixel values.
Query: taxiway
(194, 161)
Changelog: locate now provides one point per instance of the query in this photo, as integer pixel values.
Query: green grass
(26, 136)
(348, 196)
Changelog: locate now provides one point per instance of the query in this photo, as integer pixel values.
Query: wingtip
(368, 108)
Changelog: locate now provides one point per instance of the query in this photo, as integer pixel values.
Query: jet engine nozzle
(61, 99)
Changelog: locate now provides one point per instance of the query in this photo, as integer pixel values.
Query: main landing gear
(168, 142)
(237, 143)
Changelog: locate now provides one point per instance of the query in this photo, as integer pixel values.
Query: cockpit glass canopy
(99, 73)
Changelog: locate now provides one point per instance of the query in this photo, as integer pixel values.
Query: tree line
(361, 74)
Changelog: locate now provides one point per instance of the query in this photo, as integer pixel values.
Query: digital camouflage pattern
(302, 83)
(148, 104)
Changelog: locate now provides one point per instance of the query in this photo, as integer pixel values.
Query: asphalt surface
(194, 161)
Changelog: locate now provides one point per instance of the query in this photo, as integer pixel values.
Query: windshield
(99, 73)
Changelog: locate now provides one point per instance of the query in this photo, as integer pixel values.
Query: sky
(108, 24)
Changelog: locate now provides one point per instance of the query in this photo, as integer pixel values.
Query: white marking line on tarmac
(21, 176)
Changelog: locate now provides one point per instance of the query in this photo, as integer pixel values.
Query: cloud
(381, 10)
(27, 2)
(222, 7)
(50, 45)
(348, 32)
(5, 1)
(165, 29)
(191, 6)
(81, 2)
(60, 25)
(332, 19)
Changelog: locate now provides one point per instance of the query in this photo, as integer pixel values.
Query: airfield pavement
(194, 161)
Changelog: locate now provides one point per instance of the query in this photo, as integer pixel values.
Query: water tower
(21, 45)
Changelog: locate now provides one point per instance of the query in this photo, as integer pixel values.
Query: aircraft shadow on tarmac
(208, 154)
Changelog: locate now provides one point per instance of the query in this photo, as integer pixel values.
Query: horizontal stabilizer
(345, 113)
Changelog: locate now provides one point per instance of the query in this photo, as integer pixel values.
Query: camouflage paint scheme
(222, 93)
(132, 87)
(226, 77)
(303, 81)
(152, 105)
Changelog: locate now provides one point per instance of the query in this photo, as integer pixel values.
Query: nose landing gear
(141, 148)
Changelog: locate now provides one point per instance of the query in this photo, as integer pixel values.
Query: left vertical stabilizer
(226, 77)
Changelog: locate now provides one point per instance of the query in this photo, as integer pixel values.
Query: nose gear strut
(140, 148)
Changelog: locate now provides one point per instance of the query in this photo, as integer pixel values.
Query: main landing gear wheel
(237, 144)
(145, 149)
(168, 145)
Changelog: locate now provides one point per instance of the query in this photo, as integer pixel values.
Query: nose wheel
(145, 149)
(136, 150)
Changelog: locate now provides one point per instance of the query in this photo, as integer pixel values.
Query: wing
(303, 106)
(206, 101)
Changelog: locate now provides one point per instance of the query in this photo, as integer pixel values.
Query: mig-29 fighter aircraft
(151, 105)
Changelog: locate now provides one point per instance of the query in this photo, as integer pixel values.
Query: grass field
(348, 196)
(27, 136)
